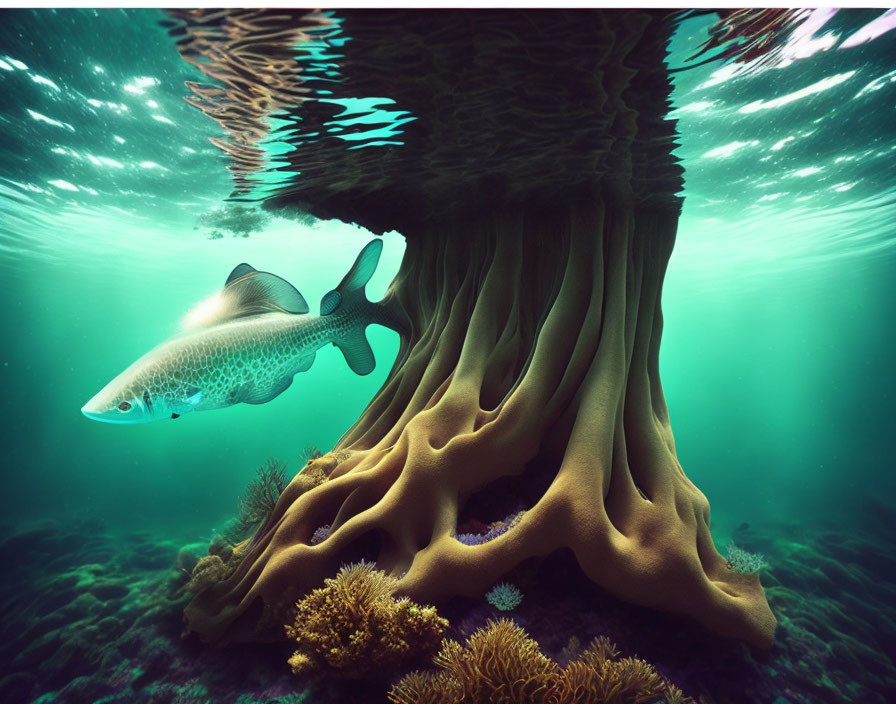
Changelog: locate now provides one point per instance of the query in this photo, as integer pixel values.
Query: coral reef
(502, 664)
(87, 615)
(504, 597)
(353, 626)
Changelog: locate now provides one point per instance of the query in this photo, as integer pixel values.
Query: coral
(215, 567)
(210, 570)
(67, 619)
(571, 649)
(355, 628)
(494, 530)
(320, 535)
(310, 453)
(501, 663)
(313, 474)
(504, 597)
(743, 562)
(598, 676)
(261, 495)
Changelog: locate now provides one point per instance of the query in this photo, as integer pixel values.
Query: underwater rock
(16, 687)
(84, 689)
(105, 591)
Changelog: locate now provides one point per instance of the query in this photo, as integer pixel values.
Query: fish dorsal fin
(261, 292)
(247, 292)
(352, 285)
(239, 271)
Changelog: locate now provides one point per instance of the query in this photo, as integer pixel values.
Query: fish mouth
(98, 415)
(104, 416)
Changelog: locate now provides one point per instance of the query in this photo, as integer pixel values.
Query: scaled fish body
(261, 335)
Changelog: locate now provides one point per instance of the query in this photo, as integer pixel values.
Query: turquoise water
(778, 347)
(116, 220)
(99, 275)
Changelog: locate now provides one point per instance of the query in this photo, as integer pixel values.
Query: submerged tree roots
(531, 351)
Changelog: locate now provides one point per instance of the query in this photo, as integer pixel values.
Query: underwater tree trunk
(531, 356)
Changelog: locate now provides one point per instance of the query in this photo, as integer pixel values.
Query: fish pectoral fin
(306, 363)
(357, 352)
(263, 394)
(194, 396)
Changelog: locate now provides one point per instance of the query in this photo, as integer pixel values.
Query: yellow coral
(210, 570)
(501, 664)
(354, 626)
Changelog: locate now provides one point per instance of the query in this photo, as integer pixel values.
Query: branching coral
(354, 627)
(256, 505)
(502, 664)
(261, 495)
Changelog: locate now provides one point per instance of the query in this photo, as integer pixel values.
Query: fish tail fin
(350, 294)
(350, 291)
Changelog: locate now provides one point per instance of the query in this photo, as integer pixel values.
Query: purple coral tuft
(320, 535)
(494, 530)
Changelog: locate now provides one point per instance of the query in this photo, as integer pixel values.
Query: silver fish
(258, 337)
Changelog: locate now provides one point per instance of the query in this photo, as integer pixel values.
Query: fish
(256, 337)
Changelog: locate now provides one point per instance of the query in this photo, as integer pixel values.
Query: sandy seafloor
(92, 616)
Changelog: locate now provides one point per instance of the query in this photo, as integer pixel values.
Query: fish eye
(124, 406)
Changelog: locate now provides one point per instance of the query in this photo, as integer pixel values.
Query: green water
(777, 352)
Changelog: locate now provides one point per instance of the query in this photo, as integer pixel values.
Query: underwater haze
(116, 221)
(108, 175)
(777, 350)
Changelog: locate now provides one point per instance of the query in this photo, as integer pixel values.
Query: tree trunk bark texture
(530, 360)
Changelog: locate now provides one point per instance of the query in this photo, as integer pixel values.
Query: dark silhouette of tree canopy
(529, 165)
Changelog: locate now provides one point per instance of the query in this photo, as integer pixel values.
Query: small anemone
(504, 597)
